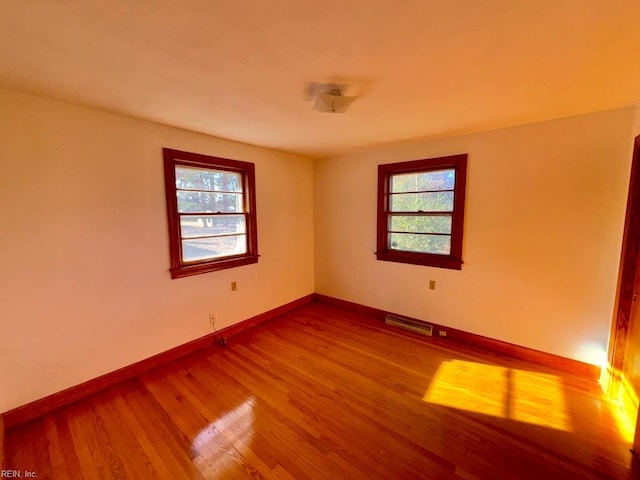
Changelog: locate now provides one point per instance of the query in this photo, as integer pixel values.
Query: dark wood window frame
(385, 172)
(180, 268)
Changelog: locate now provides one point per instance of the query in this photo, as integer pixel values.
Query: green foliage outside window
(421, 206)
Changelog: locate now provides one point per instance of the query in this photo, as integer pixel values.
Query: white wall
(84, 256)
(543, 229)
(85, 287)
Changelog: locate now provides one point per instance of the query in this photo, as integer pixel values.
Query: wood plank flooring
(321, 393)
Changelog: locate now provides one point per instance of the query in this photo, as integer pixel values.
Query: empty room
(319, 240)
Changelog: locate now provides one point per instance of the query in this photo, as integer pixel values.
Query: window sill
(425, 259)
(213, 266)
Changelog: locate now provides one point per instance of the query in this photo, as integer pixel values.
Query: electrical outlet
(432, 284)
(234, 286)
(212, 320)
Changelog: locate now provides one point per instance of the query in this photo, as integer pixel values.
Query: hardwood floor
(324, 393)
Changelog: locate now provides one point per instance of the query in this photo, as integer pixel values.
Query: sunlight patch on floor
(520, 395)
(625, 407)
(626, 426)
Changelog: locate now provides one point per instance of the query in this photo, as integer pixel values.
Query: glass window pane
(213, 247)
(207, 179)
(411, 242)
(422, 202)
(200, 226)
(421, 181)
(202, 202)
(421, 223)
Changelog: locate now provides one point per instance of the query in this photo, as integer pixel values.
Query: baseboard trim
(45, 405)
(563, 364)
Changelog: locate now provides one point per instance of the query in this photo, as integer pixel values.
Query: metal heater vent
(408, 324)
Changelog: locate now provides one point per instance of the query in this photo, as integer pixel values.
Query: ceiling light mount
(329, 97)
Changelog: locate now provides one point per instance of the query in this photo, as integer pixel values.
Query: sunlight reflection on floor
(626, 427)
(524, 396)
(234, 428)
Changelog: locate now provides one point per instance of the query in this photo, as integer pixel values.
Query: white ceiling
(237, 69)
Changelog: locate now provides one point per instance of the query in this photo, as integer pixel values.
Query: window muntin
(211, 211)
(420, 211)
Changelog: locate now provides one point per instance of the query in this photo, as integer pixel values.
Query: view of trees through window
(421, 211)
(420, 217)
(211, 211)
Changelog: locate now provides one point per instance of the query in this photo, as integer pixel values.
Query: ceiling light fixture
(329, 97)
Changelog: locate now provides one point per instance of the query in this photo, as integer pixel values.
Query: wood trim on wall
(172, 159)
(384, 252)
(2, 445)
(538, 357)
(70, 395)
(629, 260)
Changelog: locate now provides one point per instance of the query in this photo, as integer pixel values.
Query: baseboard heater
(409, 324)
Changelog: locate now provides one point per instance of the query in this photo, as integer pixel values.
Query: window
(421, 211)
(211, 208)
